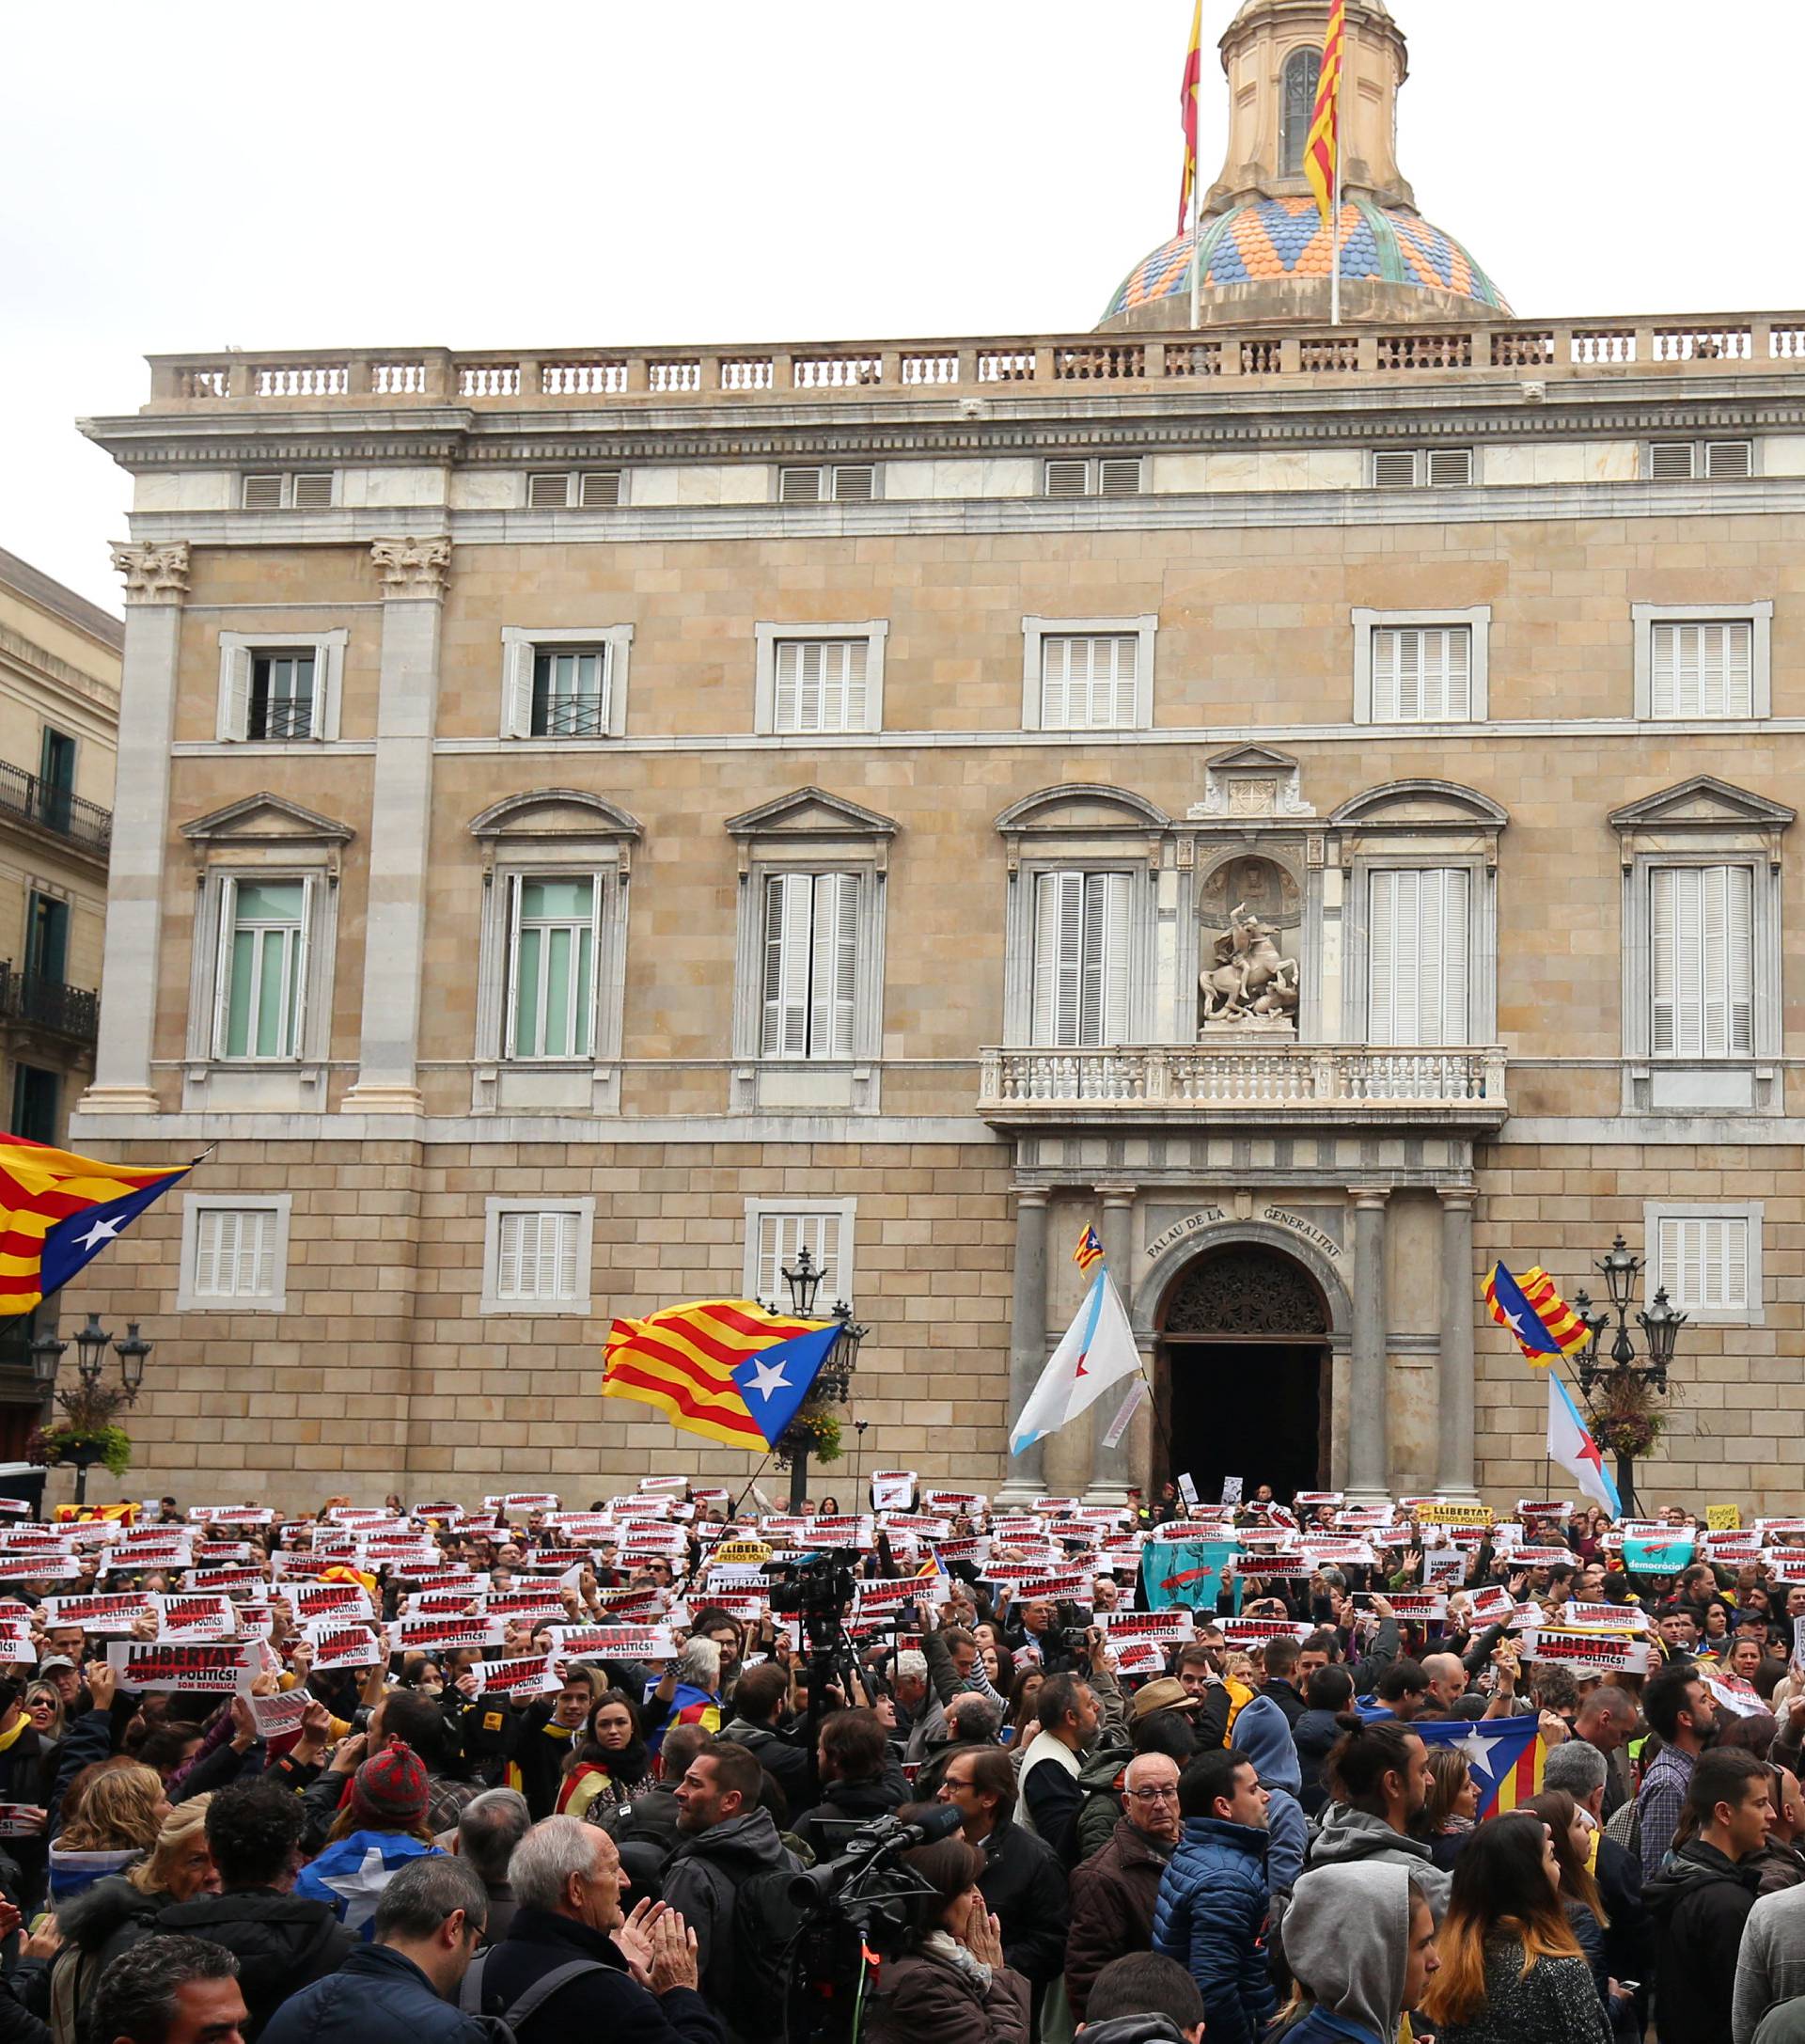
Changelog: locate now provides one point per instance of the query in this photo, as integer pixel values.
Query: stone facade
(1299, 1220)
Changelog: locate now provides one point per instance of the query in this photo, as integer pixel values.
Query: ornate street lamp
(803, 1281)
(90, 1404)
(1617, 1392)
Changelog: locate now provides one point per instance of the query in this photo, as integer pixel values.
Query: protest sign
(277, 1716)
(116, 1612)
(216, 1668)
(1586, 1652)
(1798, 1643)
(187, 1617)
(430, 1635)
(1187, 1490)
(216, 1553)
(342, 1647)
(1736, 1696)
(1188, 1572)
(223, 1579)
(1658, 1554)
(21, 1820)
(1137, 1656)
(1446, 1571)
(1310, 1501)
(665, 1486)
(1787, 1564)
(1722, 1517)
(1257, 1631)
(1455, 1515)
(15, 1507)
(233, 1515)
(954, 1500)
(1494, 1605)
(891, 1490)
(1232, 1490)
(1539, 1557)
(339, 1601)
(1545, 1508)
(39, 1568)
(650, 1643)
(531, 1675)
(1419, 1607)
(1170, 1627)
(533, 1606)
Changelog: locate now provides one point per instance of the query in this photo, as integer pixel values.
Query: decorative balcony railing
(561, 378)
(48, 1004)
(52, 807)
(1242, 1082)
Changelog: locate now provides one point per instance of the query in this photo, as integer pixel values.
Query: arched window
(1302, 68)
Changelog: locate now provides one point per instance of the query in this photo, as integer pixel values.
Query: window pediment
(1082, 805)
(264, 819)
(1704, 804)
(1421, 806)
(810, 811)
(553, 812)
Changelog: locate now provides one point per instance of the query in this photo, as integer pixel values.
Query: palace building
(1317, 802)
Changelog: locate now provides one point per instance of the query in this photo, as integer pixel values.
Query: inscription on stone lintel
(1300, 1225)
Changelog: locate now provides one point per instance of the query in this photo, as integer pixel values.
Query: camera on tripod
(814, 1586)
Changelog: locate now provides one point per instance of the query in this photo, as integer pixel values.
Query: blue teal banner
(1186, 1572)
(1654, 1556)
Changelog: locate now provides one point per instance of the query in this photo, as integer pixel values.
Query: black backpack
(504, 2027)
(766, 1924)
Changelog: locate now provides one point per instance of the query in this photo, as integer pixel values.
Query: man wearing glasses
(1113, 1891)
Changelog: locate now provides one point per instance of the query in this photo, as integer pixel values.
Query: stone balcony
(964, 370)
(1252, 1084)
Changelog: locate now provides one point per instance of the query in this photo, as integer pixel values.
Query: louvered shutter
(1068, 479)
(1451, 465)
(1119, 476)
(1416, 956)
(262, 493)
(256, 1273)
(834, 965)
(853, 484)
(1671, 461)
(1725, 459)
(1703, 669)
(1704, 1262)
(547, 491)
(787, 708)
(1058, 937)
(1394, 468)
(787, 902)
(210, 1226)
(1106, 950)
(519, 656)
(800, 486)
(300, 954)
(312, 492)
(847, 703)
(1701, 931)
(222, 967)
(235, 694)
(599, 489)
(511, 1240)
(1056, 683)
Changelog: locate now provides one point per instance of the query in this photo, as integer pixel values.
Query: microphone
(879, 1840)
(940, 1822)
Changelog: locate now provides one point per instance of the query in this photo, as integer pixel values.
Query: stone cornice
(1192, 418)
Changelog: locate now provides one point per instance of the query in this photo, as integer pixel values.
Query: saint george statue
(1250, 986)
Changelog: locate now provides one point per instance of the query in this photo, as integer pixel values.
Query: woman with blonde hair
(111, 1916)
(120, 1817)
(1450, 1809)
(1511, 1965)
(45, 1708)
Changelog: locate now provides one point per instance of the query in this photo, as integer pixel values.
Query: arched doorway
(1243, 1372)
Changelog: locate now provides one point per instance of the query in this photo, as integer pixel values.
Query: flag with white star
(775, 1382)
(59, 1211)
(1503, 1754)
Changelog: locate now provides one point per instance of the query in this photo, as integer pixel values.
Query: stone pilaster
(1027, 1338)
(1112, 1469)
(414, 574)
(1454, 1385)
(1369, 1469)
(156, 581)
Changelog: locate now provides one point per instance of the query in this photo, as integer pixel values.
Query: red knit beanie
(389, 1792)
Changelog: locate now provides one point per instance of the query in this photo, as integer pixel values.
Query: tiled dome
(1271, 238)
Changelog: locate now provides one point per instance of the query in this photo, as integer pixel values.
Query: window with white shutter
(1081, 939)
(1422, 673)
(1702, 972)
(234, 1253)
(811, 951)
(1089, 684)
(536, 1255)
(1703, 669)
(279, 691)
(309, 490)
(820, 684)
(1417, 934)
(1703, 1262)
(779, 1238)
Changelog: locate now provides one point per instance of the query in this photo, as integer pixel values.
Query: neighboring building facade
(59, 715)
(601, 819)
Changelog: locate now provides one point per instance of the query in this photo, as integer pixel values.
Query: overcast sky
(573, 175)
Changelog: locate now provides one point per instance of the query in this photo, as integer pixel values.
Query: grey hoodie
(1348, 1938)
(1346, 1837)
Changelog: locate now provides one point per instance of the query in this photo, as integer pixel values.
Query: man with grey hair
(428, 1921)
(571, 1965)
(909, 1687)
(1577, 1766)
(488, 1832)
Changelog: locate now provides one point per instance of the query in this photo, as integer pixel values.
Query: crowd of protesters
(553, 1773)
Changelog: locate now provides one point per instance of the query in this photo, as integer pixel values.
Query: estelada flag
(721, 1367)
(1188, 104)
(1324, 146)
(58, 1211)
(1542, 1322)
(1505, 1757)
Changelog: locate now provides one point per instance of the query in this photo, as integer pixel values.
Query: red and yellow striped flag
(58, 1211)
(1187, 106)
(683, 1361)
(1324, 146)
(1542, 1322)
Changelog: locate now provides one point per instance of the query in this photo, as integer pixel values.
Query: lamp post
(834, 1379)
(90, 1404)
(1625, 1380)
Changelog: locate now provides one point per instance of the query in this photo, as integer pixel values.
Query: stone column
(156, 580)
(1454, 1386)
(414, 574)
(1368, 1469)
(1112, 1470)
(1027, 1349)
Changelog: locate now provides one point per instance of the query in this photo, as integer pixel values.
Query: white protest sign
(437, 1635)
(529, 1675)
(891, 1490)
(275, 1717)
(342, 1646)
(1412, 1607)
(1587, 1653)
(114, 1612)
(339, 1601)
(1736, 1696)
(39, 1568)
(649, 1644)
(1257, 1631)
(1171, 1627)
(21, 1820)
(1140, 1656)
(217, 1668)
(195, 1617)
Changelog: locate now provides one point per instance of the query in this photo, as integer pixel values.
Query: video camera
(814, 1586)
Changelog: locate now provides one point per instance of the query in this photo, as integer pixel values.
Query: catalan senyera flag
(1089, 1252)
(720, 1367)
(1321, 149)
(58, 1211)
(1188, 104)
(1505, 1757)
(1544, 1324)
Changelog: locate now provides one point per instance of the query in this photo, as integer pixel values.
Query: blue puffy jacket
(1211, 1916)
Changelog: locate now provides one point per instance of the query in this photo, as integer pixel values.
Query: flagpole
(1197, 266)
(1335, 275)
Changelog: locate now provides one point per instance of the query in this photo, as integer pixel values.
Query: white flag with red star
(1097, 1350)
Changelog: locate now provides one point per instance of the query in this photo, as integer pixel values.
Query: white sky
(579, 174)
